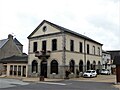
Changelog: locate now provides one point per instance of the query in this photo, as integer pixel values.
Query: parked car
(105, 72)
(90, 73)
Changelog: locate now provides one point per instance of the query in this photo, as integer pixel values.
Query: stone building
(12, 60)
(53, 50)
(114, 53)
(106, 60)
(10, 47)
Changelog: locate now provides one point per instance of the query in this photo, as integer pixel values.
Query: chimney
(10, 36)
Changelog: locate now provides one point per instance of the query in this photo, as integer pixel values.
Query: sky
(97, 19)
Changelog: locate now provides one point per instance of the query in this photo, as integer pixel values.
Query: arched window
(99, 65)
(34, 66)
(81, 66)
(72, 66)
(94, 65)
(54, 66)
(88, 65)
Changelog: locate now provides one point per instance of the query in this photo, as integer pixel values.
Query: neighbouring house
(53, 50)
(10, 47)
(106, 60)
(13, 62)
(113, 54)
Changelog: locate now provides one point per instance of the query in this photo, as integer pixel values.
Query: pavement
(100, 78)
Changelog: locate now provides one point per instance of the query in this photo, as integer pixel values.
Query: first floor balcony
(42, 54)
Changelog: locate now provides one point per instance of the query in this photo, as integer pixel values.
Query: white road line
(55, 83)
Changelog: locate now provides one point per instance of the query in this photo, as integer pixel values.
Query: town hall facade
(53, 50)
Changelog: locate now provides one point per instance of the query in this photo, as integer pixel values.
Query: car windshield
(105, 70)
(88, 71)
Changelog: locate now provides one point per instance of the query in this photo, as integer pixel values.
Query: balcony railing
(42, 54)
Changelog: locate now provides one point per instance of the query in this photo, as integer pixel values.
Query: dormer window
(44, 28)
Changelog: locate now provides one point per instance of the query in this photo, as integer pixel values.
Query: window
(81, 66)
(11, 69)
(19, 70)
(44, 28)
(15, 70)
(99, 65)
(54, 44)
(72, 66)
(44, 45)
(81, 47)
(34, 66)
(54, 66)
(24, 71)
(94, 50)
(98, 51)
(34, 46)
(88, 49)
(71, 45)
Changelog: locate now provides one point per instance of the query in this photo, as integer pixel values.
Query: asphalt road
(60, 85)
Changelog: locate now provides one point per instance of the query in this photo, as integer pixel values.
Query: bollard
(41, 78)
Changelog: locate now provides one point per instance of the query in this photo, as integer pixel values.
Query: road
(58, 85)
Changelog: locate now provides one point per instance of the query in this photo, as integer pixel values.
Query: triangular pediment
(44, 28)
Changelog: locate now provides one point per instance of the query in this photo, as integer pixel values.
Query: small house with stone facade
(12, 60)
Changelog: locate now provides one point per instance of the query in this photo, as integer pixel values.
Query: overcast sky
(97, 19)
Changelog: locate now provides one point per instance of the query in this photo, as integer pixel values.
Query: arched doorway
(44, 68)
(94, 65)
(72, 66)
(88, 65)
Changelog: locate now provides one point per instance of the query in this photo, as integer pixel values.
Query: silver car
(105, 72)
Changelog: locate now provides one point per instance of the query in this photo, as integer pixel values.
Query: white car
(90, 73)
(105, 72)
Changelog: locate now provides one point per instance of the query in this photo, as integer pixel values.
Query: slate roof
(116, 60)
(17, 42)
(3, 42)
(63, 30)
(15, 59)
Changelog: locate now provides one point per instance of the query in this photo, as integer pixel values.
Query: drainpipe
(63, 56)
(85, 55)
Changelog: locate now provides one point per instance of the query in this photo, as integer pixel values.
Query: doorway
(44, 68)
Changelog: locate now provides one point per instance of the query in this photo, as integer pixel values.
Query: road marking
(55, 83)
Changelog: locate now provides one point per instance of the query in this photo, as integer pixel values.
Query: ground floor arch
(43, 71)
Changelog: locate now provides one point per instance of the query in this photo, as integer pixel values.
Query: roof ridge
(16, 41)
